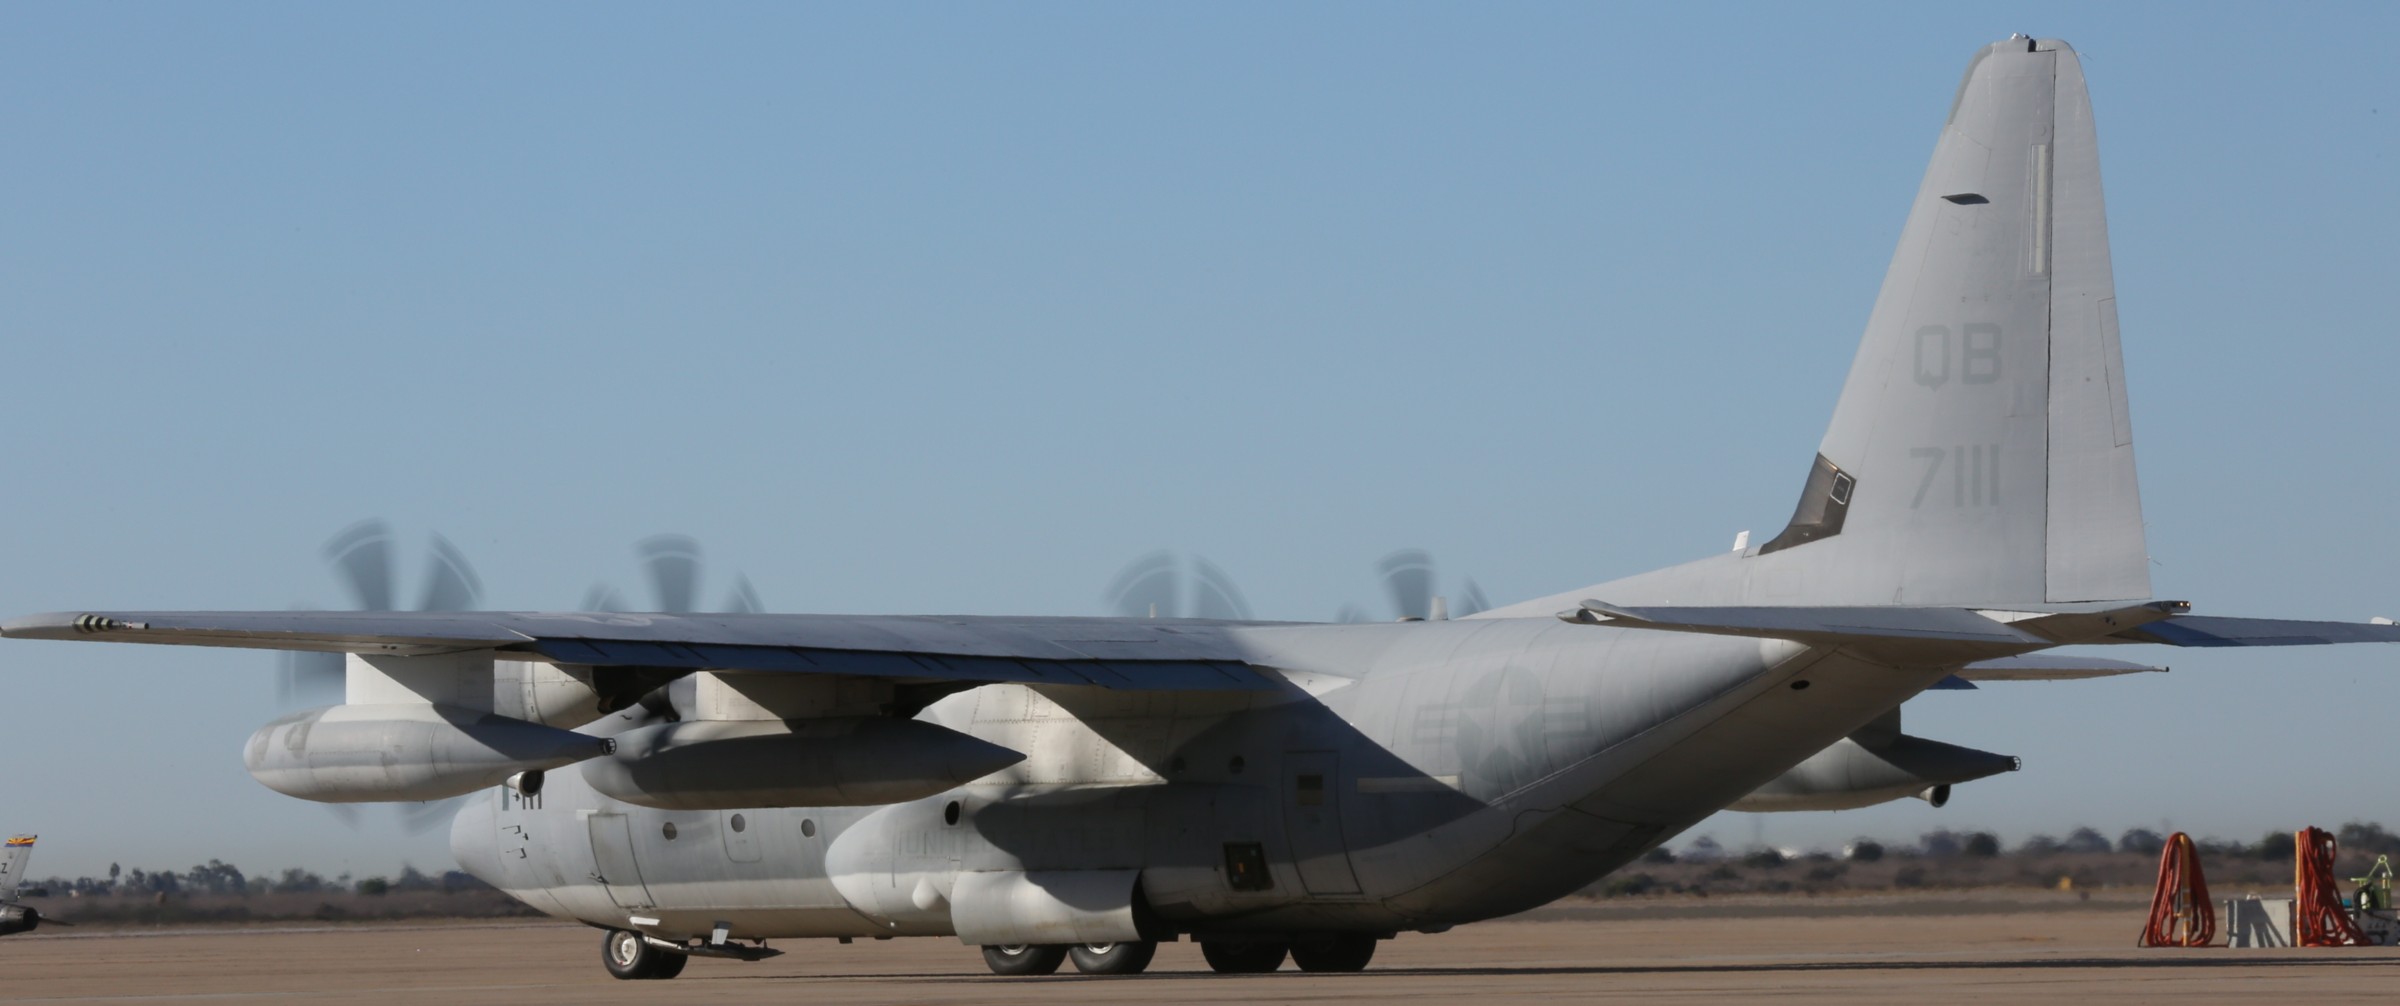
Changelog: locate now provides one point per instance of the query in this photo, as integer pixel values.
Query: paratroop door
(612, 856)
(1312, 821)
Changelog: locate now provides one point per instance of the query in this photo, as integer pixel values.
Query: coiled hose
(2180, 914)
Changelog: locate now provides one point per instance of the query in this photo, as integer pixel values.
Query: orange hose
(2180, 914)
(2322, 922)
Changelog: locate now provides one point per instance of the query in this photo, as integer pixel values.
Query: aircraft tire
(1022, 959)
(1128, 958)
(1243, 957)
(629, 956)
(1338, 952)
(669, 964)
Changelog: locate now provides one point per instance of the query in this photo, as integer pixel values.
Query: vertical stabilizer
(1986, 414)
(1980, 453)
(1984, 421)
(12, 869)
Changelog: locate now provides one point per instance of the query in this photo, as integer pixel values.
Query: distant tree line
(220, 877)
(2359, 838)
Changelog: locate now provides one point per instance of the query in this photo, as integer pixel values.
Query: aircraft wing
(1144, 654)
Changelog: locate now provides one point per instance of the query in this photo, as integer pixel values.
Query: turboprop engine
(404, 751)
(1864, 769)
(825, 762)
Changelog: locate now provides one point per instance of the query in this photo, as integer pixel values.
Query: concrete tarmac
(1846, 955)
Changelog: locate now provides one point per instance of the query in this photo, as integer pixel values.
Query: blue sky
(961, 308)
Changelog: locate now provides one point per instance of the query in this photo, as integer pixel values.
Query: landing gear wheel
(1340, 952)
(1112, 958)
(1019, 959)
(1244, 957)
(629, 956)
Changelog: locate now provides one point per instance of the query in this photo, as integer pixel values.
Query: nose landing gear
(630, 955)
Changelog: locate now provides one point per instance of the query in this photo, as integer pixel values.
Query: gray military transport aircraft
(1054, 788)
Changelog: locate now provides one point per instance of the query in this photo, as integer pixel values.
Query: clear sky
(960, 308)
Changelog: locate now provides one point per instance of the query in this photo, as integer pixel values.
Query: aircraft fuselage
(1405, 776)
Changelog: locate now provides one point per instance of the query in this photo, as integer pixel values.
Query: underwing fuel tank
(832, 762)
(1854, 774)
(367, 753)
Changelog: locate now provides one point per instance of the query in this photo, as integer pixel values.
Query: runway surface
(1840, 955)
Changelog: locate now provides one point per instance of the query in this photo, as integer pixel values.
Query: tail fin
(1980, 454)
(1981, 451)
(12, 869)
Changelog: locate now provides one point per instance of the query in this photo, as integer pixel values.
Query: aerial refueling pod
(831, 762)
(404, 751)
(1853, 774)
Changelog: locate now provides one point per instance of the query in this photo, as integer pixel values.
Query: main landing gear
(1337, 952)
(1020, 959)
(1330, 952)
(1017, 959)
(1333, 952)
(628, 955)
(1112, 958)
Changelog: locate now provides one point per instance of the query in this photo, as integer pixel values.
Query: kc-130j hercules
(1052, 787)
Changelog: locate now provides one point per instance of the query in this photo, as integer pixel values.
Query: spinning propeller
(1409, 579)
(1164, 585)
(672, 564)
(1160, 585)
(361, 557)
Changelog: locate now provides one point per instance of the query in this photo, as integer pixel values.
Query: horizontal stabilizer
(2044, 667)
(1836, 626)
(2204, 630)
(1934, 635)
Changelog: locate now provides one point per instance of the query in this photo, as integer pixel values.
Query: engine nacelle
(844, 762)
(20, 919)
(1851, 774)
(403, 751)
